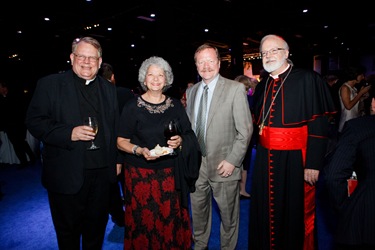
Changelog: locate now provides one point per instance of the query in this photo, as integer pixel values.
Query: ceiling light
(146, 18)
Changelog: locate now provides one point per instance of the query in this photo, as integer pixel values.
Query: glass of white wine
(93, 123)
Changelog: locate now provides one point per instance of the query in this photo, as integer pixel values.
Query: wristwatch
(135, 150)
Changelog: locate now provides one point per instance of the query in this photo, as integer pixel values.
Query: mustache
(209, 69)
(271, 61)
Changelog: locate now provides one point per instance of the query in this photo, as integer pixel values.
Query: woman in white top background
(350, 97)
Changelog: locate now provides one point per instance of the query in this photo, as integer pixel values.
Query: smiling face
(274, 52)
(208, 65)
(155, 78)
(85, 61)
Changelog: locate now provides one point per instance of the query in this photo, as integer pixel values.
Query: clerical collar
(81, 80)
(88, 81)
(277, 76)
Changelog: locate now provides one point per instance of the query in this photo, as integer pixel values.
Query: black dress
(155, 216)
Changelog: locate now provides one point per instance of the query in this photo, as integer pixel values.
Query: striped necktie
(201, 120)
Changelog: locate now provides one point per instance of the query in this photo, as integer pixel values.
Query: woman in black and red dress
(157, 187)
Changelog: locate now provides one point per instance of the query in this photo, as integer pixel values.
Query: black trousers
(84, 214)
(116, 209)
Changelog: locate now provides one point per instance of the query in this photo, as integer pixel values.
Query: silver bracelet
(135, 149)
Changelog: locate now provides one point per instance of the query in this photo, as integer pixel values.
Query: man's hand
(311, 176)
(82, 133)
(225, 169)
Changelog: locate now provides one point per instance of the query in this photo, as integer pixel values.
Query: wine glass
(92, 122)
(170, 129)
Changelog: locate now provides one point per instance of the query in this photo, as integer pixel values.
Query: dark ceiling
(178, 28)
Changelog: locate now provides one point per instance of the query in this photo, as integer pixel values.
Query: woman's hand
(145, 152)
(175, 142)
(364, 91)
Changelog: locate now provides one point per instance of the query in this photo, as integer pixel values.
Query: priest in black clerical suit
(78, 180)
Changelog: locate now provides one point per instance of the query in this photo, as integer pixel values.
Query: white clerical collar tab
(277, 76)
(89, 81)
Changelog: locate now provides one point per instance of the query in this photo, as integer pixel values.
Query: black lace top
(143, 123)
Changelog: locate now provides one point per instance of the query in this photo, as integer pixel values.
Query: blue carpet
(26, 224)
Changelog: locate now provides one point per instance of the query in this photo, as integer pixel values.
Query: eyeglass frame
(273, 51)
(83, 58)
(210, 62)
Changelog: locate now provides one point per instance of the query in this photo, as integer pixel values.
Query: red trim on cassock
(294, 139)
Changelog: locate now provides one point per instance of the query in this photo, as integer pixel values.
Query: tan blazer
(229, 125)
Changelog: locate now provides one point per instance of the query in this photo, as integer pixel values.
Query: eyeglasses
(210, 62)
(83, 58)
(273, 51)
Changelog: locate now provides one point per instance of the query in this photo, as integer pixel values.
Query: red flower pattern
(168, 184)
(142, 192)
(155, 190)
(154, 218)
(147, 219)
(140, 242)
(165, 209)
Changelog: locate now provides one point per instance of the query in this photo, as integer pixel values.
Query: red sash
(294, 139)
(284, 138)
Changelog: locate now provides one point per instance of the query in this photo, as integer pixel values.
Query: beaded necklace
(264, 116)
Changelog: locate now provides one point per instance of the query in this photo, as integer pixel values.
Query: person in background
(157, 186)
(183, 97)
(369, 81)
(334, 84)
(78, 180)
(292, 112)
(13, 107)
(355, 151)
(250, 84)
(123, 94)
(116, 209)
(224, 134)
(350, 97)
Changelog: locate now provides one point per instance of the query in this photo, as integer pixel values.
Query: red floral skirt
(154, 217)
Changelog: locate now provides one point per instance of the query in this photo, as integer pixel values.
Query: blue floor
(25, 221)
(26, 224)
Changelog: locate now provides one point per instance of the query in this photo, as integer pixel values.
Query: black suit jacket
(355, 151)
(52, 114)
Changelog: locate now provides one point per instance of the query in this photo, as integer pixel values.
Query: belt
(284, 138)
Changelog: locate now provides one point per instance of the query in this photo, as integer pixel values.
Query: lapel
(216, 100)
(193, 95)
(104, 103)
(69, 93)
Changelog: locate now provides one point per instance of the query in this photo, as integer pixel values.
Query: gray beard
(270, 67)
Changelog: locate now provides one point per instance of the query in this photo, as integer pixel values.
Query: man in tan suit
(227, 129)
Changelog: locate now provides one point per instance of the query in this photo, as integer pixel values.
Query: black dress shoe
(119, 222)
(244, 197)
